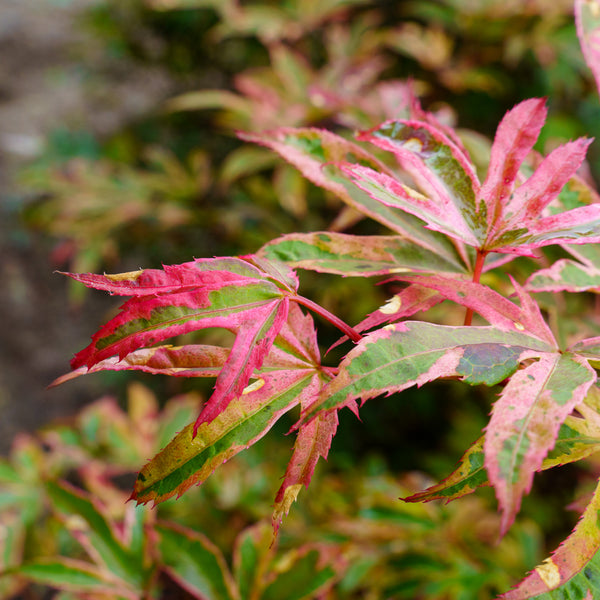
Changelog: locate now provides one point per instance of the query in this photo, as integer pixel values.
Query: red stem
(481, 254)
(351, 333)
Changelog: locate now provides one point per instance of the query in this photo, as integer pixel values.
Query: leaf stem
(481, 254)
(351, 333)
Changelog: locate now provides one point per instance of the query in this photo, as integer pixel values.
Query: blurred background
(118, 151)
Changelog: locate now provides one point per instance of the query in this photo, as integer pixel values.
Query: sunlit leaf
(413, 353)
(314, 151)
(525, 423)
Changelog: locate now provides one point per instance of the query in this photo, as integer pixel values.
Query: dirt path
(52, 73)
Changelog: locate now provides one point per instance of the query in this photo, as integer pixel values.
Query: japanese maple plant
(449, 233)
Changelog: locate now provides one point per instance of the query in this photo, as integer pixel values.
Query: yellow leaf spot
(76, 523)
(130, 275)
(391, 306)
(549, 573)
(519, 326)
(413, 193)
(289, 497)
(253, 386)
(414, 144)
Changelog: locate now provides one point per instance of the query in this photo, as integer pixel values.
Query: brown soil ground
(46, 58)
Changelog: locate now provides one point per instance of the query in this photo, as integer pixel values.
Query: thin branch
(351, 333)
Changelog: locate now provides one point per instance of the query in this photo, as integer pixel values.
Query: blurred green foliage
(66, 524)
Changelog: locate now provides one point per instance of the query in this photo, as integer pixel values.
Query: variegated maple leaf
(505, 213)
(544, 383)
(249, 298)
(572, 569)
(290, 375)
(582, 274)
(316, 153)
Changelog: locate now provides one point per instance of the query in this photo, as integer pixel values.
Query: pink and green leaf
(570, 275)
(525, 423)
(413, 353)
(229, 293)
(441, 217)
(309, 149)
(440, 169)
(406, 303)
(542, 210)
(493, 307)
(313, 441)
(315, 152)
(590, 348)
(515, 137)
(530, 199)
(571, 571)
(150, 282)
(587, 21)
(577, 226)
(351, 255)
(579, 435)
(290, 374)
(577, 439)
(465, 479)
(502, 217)
(189, 459)
(555, 205)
